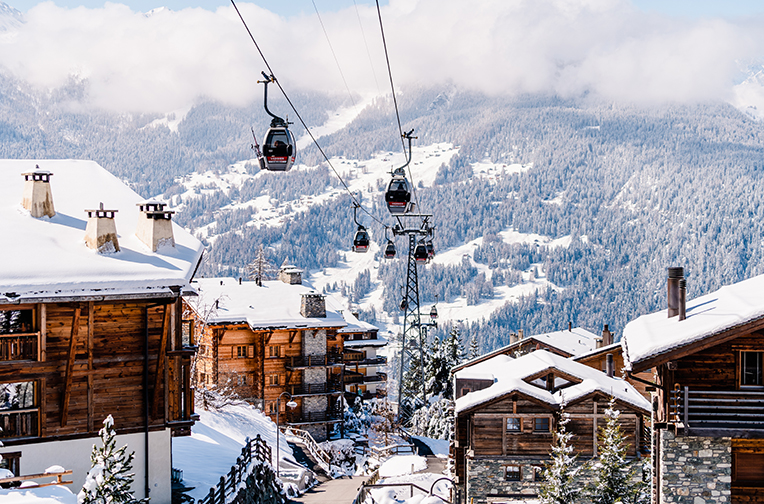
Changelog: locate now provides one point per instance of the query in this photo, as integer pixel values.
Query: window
(10, 461)
(538, 473)
(751, 369)
(187, 332)
(273, 380)
(274, 351)
(513, 473)
(465, 391)
(241, 351)
(541, 424)
(18, 409)
(18, 339)
(272, 408)
(514, 425)
(241, 380)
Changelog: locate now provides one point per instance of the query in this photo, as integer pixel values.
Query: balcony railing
(379, 377)
(371, 361)
(313, 361)
(717, 410)
(313, 416)
(18, 346)
(20, 423)
(315, 388)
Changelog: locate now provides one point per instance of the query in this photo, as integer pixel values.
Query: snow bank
(57, 494)
(398, 465)
(216, 441)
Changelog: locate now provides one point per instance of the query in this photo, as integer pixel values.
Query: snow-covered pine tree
(109, 479)
(260, 269)
(559, 485)
(474, 351)
(441, 357)
(615, 478)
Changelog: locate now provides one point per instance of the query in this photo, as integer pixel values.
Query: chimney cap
(676, 272)
(101, 213)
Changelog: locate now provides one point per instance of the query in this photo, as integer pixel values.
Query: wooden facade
(92, 360)
(598, 360)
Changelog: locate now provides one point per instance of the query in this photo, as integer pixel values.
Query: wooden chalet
(271, 342)
(573, 341)
(609, 359)
(706, 357)
(504, 431)
(90, 322)
(361, 342)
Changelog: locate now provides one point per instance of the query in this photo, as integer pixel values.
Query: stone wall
(314, 342)
(694, 470)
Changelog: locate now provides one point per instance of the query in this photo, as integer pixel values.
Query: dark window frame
(517, 475)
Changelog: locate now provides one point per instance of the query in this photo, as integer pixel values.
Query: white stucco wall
(75, 455)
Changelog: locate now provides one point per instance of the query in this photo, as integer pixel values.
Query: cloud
(166, 60)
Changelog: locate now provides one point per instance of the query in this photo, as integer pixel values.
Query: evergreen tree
(474, 351)
(261, 268)
(109, 479)
(441, 357)
(615, 477)
(559, 486)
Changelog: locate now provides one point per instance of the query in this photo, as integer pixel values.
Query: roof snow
(47, 257)
(731, 306)
(274, 305)
(574, 342)
(483, 370)
(354, 324)
(511, 377)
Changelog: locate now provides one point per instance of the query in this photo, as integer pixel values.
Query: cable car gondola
(390, 250)
(420, 253)
(361, 240)
(279, 146)
(430, 249)
(398, 194)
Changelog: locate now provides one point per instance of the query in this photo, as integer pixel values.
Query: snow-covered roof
(731, 306)
(609, 348)
(46, 258)
(510, 378)
(484, 370)
(575, 341)
(274, 305)
(378, 342)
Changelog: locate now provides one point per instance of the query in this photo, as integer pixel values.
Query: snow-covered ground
(57, 494)
(216, 441)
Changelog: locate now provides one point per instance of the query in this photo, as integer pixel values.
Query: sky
(644, 51)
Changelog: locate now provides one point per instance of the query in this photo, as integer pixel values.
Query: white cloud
(166, 60)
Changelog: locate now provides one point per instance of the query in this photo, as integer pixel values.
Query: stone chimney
(290, 274)
(101, 231)
(155, 225)
(607, 336)
(675, 275)
(313, 305)
(37, 197)
(513, 338)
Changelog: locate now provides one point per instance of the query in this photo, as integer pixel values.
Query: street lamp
(291, 404)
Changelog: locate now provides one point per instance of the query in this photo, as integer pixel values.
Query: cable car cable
(366, 44)
(331, 48)
(304, 125)
(395, 102)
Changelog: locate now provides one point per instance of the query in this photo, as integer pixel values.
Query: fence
(59, 478)
(363, 492)
(322, 458)
(227, 489)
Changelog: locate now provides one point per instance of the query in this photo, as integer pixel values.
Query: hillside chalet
(706, 355)
(574, 341)
(271, 343)
(90, 317)
(504, 429)
(361, 342)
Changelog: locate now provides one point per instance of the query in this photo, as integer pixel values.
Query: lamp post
(291, 404)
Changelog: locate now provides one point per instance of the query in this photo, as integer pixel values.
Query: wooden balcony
(730, 413)
(331, 416)
(371, 361)
(308, 361)
(21, 423)
(19, 347)
(306, 389)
